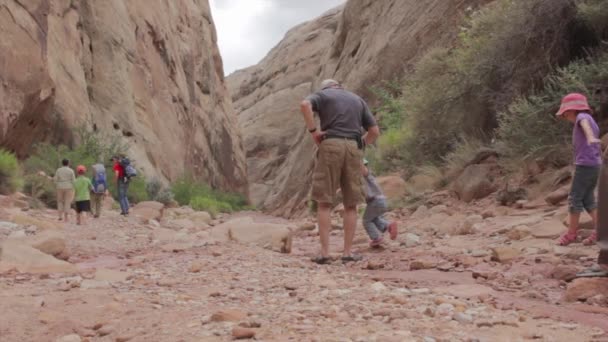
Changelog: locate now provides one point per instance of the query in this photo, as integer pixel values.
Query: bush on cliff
(10, 177)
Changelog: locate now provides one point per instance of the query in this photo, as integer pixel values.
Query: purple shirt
(585, 154)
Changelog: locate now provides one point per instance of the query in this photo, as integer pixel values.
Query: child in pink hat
(587, 160)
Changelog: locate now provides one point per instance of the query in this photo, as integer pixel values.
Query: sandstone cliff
(148, 70)
(361, 44)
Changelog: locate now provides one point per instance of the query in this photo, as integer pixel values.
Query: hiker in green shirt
(83, 188)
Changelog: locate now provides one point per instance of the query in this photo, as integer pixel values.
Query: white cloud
(248, 29)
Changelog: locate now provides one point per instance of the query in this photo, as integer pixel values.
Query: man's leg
(127, 204)
(324, 221)
(60, 202)
(350, 183)
(121, 197)
(350, 224)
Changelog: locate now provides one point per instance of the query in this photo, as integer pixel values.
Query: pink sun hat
(573, 101)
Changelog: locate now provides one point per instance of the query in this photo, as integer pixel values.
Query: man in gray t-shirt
(344, 116)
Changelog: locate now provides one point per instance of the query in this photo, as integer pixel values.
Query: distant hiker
(83, 187)
(373, 218)
(340, 141)
(100, 188)
(122, 184)
(64, 182)
(587, 161)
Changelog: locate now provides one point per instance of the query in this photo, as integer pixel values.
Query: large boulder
(27, 259)
(273, 236)
(474, 183)
(393, 186)
(559, 195)
(149, 210)
(548, 229)
(40, 223)
(49, 242)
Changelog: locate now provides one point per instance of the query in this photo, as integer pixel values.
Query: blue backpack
(99, 179)
(130, 171)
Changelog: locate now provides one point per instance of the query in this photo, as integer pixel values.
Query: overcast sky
(248, 29)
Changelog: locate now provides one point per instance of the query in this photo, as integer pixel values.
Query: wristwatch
(312, 130)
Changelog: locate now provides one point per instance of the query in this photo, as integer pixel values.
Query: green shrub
(391, 110)
(165, 196)
(154, 187)
(210, 205)
(93, 148)
(504, 50)
(529, 126)
(595, 14)
(188, 191)
(41, 188)
(10, 177)
(158, 192)
(137, 190)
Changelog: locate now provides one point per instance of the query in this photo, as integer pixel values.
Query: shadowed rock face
(361, 44)
(147, 70)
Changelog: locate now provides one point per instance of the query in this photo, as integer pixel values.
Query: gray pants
(602, 213)
(373, 220)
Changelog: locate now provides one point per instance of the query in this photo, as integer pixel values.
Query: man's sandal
(351, 258)
(321, 260)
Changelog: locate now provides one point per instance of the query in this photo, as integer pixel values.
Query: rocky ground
(455, 273)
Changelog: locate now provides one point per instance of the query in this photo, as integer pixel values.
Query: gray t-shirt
(372, 189)
(342, 113)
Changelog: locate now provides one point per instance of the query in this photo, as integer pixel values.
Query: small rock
(445, 309)
(421, 291)
(463, 318)
(228, 316)
(422, 265)
(105, 330)
(420, 213)
(564, 272)
(240, 333)
(558, 195)
(585, 288)
(378, 287)
(411, 240)
(88, 284)
(69, 338)
(479, 253)
(438, 209)
(518, 233)
(373, 265)
(504, 254)
(125, 338)
(196, 267)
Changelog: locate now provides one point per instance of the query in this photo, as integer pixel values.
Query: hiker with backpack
(123, 172)
(100, 188)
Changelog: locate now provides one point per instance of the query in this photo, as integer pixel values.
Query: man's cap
(329, 83)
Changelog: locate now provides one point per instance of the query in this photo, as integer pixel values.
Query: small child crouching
(373, 218)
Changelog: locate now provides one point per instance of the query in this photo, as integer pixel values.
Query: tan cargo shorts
(338, 166)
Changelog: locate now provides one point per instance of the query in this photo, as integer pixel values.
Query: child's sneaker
(393, 230)
(376, 243)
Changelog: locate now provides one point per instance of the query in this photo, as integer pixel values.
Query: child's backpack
(130, 171)
(99, 179)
